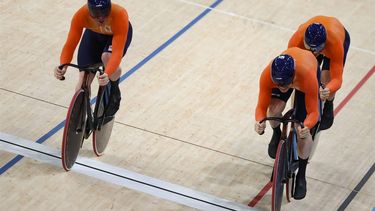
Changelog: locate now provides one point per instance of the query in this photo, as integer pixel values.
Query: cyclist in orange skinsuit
(327, 38)
(294, 68)
(106, 38)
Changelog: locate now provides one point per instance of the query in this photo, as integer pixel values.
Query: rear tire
(103, 124)
(74, 130)
(101, 136)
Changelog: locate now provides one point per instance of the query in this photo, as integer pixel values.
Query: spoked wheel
(279, 176)
(74, 130)
(103, 124)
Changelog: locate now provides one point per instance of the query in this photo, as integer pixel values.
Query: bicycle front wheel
(279, 170)
(74, 130)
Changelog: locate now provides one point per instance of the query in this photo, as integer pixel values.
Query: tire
(101, 137)
(279, 173)
(103, 124)
(74, 130)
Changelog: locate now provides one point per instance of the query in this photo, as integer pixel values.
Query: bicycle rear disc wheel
(279, 176)
(102, 135)
(74, 130)
(103, 124)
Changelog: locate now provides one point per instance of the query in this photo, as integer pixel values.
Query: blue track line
(122, 78)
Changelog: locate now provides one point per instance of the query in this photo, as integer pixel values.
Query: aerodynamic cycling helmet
(282, 70)
(99, 8)
(315, 37)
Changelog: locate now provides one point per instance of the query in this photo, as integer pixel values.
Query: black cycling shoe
(272, 146)
(327, 116)
(300, 189)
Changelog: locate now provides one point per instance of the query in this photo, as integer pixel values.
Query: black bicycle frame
(93, 123)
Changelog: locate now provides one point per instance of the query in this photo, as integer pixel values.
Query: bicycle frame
(94, 123)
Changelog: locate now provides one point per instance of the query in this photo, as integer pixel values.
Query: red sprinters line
(260, 195)
(268, 186)
(354, 91)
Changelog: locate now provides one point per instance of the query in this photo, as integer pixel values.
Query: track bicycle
(286, 161)
(81, 121)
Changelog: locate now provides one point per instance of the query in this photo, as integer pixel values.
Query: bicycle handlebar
(284, 119)
(91, 68)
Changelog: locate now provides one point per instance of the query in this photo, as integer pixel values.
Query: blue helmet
(99, 8)
(282, 70)
(315, 37)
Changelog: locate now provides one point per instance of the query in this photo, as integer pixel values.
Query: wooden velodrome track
(186, 120)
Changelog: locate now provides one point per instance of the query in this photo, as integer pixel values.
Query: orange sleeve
(120, 33)
(311, 99)
(75, 32)
(297, 38)
(336, 67)
(265, 91)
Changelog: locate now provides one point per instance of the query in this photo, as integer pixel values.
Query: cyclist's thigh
(91, 48)
(108, 47)
(300, 108)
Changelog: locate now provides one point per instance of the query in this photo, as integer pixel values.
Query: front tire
(74, 130)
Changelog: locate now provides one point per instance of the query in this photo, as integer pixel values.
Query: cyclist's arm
(75, 32)
(298, 36)
(264, 98)
(296, 40)
(120, 33)
(311, 101)
(336, 67)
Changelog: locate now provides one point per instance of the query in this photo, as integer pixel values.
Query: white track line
(264, 23)
(119, 176)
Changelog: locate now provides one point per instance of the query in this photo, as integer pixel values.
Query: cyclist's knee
(276, 107)
(325, 77)
(106, 56)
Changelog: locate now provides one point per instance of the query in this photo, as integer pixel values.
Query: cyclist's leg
(89, 52)
(115, 93)
(276, 107)
(304, 148)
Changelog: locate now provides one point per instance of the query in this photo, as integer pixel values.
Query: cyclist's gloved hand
(303, 132)
(259, 127)
(324, 93)
(103, 79)
(59, 73)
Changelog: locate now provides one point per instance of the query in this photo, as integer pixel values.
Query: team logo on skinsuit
(106, 29)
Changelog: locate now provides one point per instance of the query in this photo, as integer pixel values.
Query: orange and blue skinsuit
(116, 24)
(305, 81)
(336, 46)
